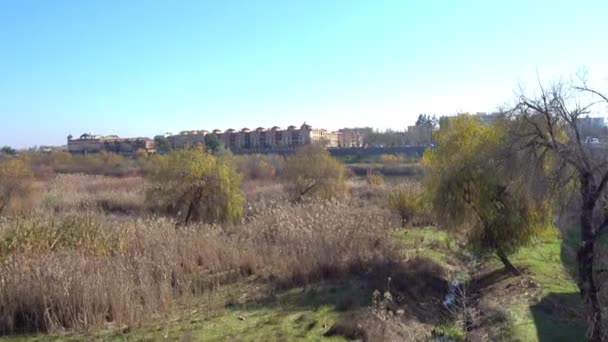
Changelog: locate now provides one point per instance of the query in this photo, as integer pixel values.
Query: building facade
(90, 143)
(260, 139)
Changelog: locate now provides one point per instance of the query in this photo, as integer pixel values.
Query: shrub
(258, 167)
(313, 172)
(374, 178)
(406, 200)
(17, 186)
(194, 185)
(389, 159)
(8, 150)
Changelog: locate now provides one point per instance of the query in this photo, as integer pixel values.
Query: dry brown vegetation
(81, 263)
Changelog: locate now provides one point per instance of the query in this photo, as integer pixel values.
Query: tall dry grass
(79, 192)
(78, 271)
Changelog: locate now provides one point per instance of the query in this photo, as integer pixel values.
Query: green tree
(8, 150)
(213, 142)
(313, 172)
(194, 185)
(427, 120)
(162, 144)
(473, 196)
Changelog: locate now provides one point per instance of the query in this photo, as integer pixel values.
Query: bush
(374, 178)
(407, 201)
(258, 166)
(313, 172)
(194, 185)
(389, 159)
(17, 186)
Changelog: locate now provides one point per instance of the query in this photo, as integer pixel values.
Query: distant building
(420, 135)
(591, 123)
(354, 137)
(260, 139)
(90, 143)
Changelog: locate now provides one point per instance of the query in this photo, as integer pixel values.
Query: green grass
(299, 314)
(533, 319)
(427, 242)
(547, 262)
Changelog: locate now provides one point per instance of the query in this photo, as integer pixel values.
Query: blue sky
(139, 68)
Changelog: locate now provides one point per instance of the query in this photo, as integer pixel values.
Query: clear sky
(140, 68)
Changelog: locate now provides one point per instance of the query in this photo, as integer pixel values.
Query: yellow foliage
(471, 191)
(194, 185)
(313, 172)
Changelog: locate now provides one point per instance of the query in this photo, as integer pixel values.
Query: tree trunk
(505, 261)
(588, 290)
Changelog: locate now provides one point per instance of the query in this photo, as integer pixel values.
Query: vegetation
(213, 142)
(8, 150)
(312, 172)
(407, 201)
(194, 185)
(17, 187)
(547, 129)
(163, 145)
(427, 120)
(200, 244)
(259, 167)
(472, 196)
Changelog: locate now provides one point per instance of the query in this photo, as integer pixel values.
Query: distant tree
(162, 144)
(313, 172)
(140, 154)
(17, 185)
(194, 185)
(213, 142)
(472, 194)
(426, 120)
(8, 150)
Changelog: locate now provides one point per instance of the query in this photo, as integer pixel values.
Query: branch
(595, 92)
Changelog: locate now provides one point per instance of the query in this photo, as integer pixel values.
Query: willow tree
(473, 195)
(549, 127)
(312, 172)
(194, 185)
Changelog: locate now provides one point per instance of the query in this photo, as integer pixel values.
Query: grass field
(540, 305)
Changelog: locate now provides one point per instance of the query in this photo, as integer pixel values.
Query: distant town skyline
(141, 68)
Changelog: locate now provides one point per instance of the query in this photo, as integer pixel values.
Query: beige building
(90, 143)
(260, 139)
(354, 137)
(420, 135)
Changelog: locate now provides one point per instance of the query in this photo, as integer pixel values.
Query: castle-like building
(260, 139)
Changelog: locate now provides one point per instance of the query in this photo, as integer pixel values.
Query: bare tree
(548, 127)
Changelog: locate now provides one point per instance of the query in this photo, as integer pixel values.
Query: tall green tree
(213, 142)
(162, 144)
(194, 185)
(474, 197)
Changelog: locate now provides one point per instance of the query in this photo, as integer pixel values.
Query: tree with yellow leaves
(194, 185)
(474, 193)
